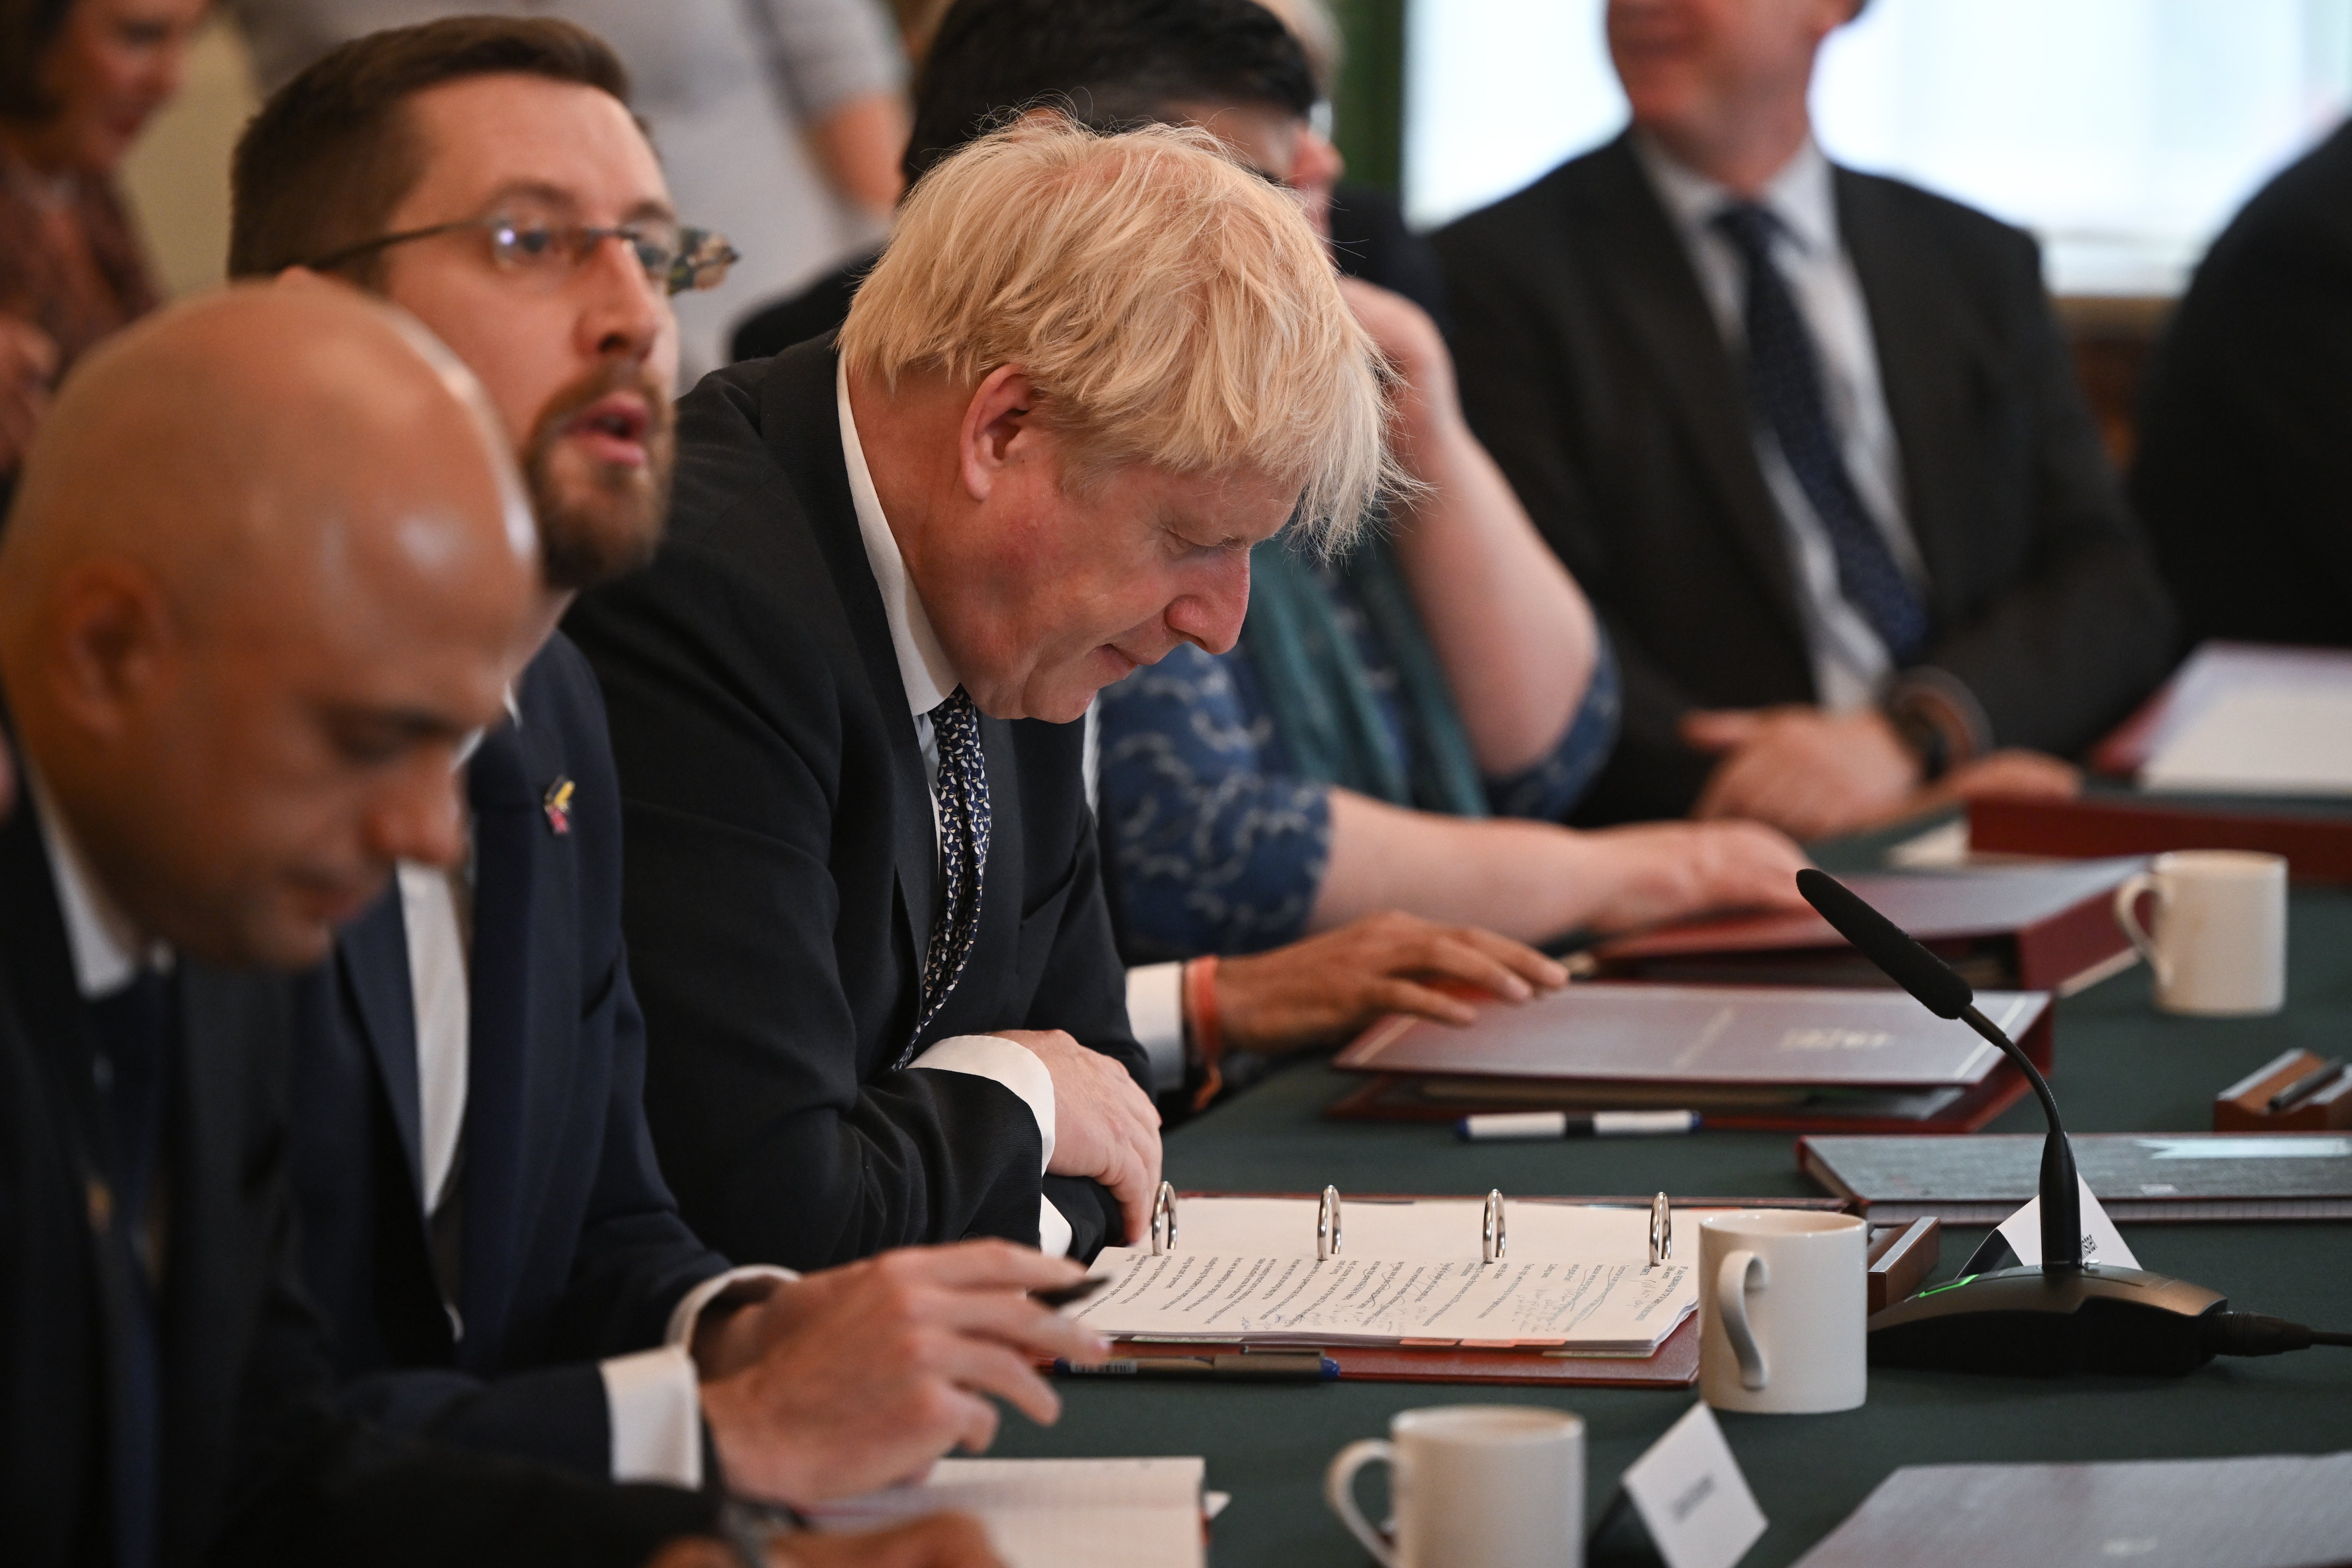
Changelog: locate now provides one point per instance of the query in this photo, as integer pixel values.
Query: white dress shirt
(653, 1398)
(1851, 664)
(928, 678)
(105, 944)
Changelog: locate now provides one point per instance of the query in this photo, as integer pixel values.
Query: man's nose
(1211, 614)
(419, 816)
(623, 310)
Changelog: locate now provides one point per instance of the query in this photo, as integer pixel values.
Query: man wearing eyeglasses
(483, 1219)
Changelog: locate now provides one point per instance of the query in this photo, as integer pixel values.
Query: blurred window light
(2124, 133)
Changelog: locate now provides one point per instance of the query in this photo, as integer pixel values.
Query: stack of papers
(1574, 1276)
(2256, 721)
(1054, 1513)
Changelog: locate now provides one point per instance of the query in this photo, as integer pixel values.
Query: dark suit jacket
(572, 1247)
(257, 1465)
(2245, 471)
(784, 868)
(1369, 240)
(1593, 370)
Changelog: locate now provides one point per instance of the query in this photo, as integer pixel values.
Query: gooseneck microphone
(1945, 994)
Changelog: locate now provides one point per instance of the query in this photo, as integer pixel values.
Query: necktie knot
(1751, 227)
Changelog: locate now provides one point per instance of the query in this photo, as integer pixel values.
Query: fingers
(1023, 1325)
(1720, 729)
(983, 1265)
(1399, 995)
(981, 1367)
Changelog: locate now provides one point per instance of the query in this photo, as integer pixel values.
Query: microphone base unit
(2026, 1322)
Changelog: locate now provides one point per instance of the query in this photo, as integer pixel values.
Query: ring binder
(1164, 1220)
(1491, 1240)
(1327, 1226)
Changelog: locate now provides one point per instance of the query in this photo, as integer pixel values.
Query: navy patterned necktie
(1784, 378)
(963, 853)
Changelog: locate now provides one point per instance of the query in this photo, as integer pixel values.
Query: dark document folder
(2137, 1176)
(1747, 1056)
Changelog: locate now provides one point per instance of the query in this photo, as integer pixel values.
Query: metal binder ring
(1326, 1226)
(1491, 1241)
(1164, 1220)
(1662, 1230)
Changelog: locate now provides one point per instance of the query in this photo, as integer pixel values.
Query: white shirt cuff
(686, 1316)
(1054, 1236)
(654, 1404)
(1155, 1011)
(1015, 1066)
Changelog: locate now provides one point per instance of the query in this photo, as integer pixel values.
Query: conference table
(2121, 1067)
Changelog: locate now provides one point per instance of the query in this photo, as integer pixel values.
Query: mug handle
(2127, 916)
(1742, 1272)
(1340, 1491)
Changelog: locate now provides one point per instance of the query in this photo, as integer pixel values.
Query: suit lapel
(1927, 370)
(507, 825)
(802, 380)
(1643, 265)
(371, 953)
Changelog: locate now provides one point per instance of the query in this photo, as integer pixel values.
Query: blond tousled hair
(1171, 307)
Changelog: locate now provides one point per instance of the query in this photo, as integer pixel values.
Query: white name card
(1691, 1498)
(2101, 1242)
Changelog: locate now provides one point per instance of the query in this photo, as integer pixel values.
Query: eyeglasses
(677, 259)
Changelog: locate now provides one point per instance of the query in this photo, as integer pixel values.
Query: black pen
(1259, 1368)
(2305, 1087)
(1071, 1295)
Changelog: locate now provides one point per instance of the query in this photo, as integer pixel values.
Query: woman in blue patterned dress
(1403, 729)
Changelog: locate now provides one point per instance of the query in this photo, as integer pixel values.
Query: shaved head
(269, 564)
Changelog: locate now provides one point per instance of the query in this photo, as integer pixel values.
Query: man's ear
(1000, 414)
(110, 633)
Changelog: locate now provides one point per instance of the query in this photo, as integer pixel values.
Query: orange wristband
(1202, 1023)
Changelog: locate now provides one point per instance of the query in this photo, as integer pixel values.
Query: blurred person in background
(1812, 442)
(79, 79)
(2245, 476)
(779, 122)
(1121, 62)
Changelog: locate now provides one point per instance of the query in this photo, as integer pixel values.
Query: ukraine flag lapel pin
(558, 805)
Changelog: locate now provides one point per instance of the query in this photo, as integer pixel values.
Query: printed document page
(1622, 1306)
(1054, 1513)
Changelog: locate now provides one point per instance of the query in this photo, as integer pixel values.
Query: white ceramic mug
(1497, 1485)
(1782, 1294)
(2218, 942)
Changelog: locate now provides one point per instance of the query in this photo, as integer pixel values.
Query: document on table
(1054, 1513)
(1618, 1307)
(2283, 738)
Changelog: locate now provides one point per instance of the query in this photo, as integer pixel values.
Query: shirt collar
(103, 940)
(923, 666)
(1801, 196)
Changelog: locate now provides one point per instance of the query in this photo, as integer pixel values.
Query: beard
(598, 520)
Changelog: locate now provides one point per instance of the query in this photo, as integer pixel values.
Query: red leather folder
(2032, 928)
(2317, 846)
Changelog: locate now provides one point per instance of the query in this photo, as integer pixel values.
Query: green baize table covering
(2121, 1067)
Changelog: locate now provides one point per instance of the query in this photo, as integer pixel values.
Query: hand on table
(857, 1377)
(1807, 772)
(28, 361)
(2011, 772)
(941, 1540)
(1104, 1126)
(1329, 987)
(1663, 871)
